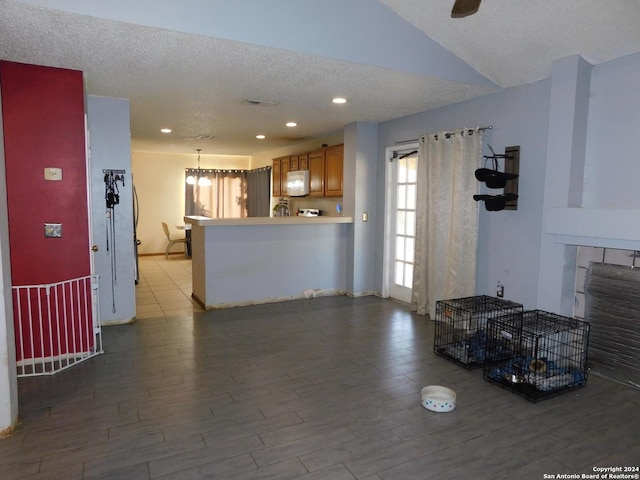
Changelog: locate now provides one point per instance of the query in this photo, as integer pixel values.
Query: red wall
(43, 115)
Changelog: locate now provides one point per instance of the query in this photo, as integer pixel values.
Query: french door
(400, 221)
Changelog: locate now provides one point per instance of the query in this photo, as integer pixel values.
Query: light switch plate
(52, 173)
(53, 230)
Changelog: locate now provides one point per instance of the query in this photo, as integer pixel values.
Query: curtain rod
(416, 139)
(226, 170)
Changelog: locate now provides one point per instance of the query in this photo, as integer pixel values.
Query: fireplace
(608, 297)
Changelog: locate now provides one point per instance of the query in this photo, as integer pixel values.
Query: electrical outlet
(365, 216)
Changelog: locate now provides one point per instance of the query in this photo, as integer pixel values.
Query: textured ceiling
(197, 83)
(514, 42)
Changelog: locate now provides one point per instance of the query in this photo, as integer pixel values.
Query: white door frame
(389, 227)
(87, 147)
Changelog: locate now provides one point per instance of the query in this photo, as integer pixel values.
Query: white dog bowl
(438, 399)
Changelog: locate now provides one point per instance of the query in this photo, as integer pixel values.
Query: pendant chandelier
(198, 179)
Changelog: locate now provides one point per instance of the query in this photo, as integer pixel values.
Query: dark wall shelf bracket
(512, 165)
(507, 180)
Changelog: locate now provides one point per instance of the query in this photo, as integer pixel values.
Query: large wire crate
(460, 327)
(549, 353)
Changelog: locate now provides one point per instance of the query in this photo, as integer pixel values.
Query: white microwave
(298, 183)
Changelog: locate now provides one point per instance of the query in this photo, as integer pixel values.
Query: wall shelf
(512, 165)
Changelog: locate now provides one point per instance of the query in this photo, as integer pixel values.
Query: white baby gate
(56, 325)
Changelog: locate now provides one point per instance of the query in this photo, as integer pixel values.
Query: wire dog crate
(549, 354)
(460, 327)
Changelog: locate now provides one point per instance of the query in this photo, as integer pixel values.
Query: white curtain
(223, 194)
(447, 218)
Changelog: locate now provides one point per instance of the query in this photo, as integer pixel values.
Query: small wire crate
(549, 354)
(460, 327)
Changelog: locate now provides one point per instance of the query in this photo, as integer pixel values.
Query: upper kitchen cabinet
(294, 163)
(276, 188)
(303, 161)
(333, 171)
(281, 166)
(326, 172)
(316, 173)
(299, 162)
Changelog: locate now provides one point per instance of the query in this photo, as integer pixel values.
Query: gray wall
(110, 143)
(509, 241)
(577, 134)
(249, 264)
(8, 372)
(360, 175)
(612, 169)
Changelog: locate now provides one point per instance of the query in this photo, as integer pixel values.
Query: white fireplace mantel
(595, 227)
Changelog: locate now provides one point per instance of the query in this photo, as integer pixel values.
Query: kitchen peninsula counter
(294, 220)
(245, 261)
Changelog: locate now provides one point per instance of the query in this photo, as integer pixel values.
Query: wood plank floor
(324, 388)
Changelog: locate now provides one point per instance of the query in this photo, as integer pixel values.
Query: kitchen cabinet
(276, 189)
(299, 162)
(280, 167)
(316, 173)
(284, 169)
(333, 171)
(325, 167)
(303, 162)
(326, 172)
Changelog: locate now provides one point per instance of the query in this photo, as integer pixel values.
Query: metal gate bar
(57, 325)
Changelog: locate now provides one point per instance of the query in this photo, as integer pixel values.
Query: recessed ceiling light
(165, 130)
(292, 124)
(339, 100)
(260, 137)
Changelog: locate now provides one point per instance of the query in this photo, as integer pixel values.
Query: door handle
(94, 248)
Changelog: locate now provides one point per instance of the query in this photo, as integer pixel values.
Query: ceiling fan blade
(464, 8)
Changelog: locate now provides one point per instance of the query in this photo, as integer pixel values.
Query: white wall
(159, 180)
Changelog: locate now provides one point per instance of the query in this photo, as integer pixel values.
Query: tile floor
(164, 287)
(324, 388)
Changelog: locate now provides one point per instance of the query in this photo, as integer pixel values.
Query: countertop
(294, 220)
